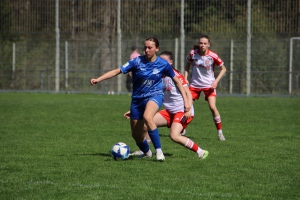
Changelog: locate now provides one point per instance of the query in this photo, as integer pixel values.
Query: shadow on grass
(168, 136)
(93, 154)
(109, 157)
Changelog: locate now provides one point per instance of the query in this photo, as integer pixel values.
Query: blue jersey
(147, 76)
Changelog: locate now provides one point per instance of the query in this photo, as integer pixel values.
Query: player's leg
(211, 98)
(196, 92)
(137, 125)
(146, 137)
(161, 118)
(152, 107)
(138, 133)
(175, 135)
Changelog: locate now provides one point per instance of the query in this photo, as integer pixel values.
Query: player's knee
(174, 137)
(148, 118)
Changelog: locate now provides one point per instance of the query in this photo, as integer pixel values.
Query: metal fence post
(119, 44)
(231, 67)
(14, 61)
(57, 46)
(182, 53)
(66, 65)
(248, 48)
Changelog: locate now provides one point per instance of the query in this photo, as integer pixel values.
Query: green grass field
(56, 146)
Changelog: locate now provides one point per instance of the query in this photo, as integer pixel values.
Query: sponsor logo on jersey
(155, 71)
(147, 82)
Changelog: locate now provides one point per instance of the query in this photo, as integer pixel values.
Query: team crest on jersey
(206, 62)
(155, 71)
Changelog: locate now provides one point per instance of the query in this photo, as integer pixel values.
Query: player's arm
(187, 105)
(105, 76)
(214, 85)
(190, 99)
(188, 94)
(186, 71)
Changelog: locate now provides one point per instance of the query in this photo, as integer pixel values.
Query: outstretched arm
(105, 76)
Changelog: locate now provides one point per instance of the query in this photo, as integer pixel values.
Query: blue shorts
(138, 105)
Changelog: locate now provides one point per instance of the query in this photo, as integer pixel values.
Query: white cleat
(221, 137)
(203, 154)
(160, 156)
(146, 155)
(137, 153)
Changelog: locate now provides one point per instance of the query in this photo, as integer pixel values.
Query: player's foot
(183, 132)
(137, 153)
(203, 154)
(221, 137)
(146, 155)
(160, 156)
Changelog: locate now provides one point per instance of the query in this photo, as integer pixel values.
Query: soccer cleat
(160, 156)
(137, 153)
(203, 154)
(221, 137)
(146, 155)
(183, 132)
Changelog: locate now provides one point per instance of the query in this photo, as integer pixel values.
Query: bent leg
(138, 133)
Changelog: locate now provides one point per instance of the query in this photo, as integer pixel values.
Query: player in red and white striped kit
(203, 78)
(173, 115)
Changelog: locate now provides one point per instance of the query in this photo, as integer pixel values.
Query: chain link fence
(89, 41)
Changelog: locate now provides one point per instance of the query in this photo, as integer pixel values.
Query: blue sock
(144, 146)
(155, 138)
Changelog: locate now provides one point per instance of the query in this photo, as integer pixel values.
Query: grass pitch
(56, 146)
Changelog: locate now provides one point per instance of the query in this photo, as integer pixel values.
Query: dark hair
(167, 53)
(133, 48)
(196, 46)
(153, 39)
(205, 36)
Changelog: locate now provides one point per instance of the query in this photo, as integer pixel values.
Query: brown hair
(167, 53)
(205, 36)
(153, 39)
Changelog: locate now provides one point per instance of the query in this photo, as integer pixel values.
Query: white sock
(158, 150)
(199, 150)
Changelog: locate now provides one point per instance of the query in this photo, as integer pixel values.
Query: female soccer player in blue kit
(147, 95)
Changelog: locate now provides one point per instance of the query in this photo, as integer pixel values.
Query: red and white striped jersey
(203, 68)
(173, 101)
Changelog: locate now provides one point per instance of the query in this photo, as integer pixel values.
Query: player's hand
(187, 82)
(187, 107)
(127, 115)
(188, 114)
(214, 85)
(94, 81)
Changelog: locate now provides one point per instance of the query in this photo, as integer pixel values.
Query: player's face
(150, 49)
(203, 44)
(167, 58)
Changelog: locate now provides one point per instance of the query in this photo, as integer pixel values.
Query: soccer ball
(120, 151)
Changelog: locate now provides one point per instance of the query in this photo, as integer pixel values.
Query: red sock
(219, 126)
(218, 122)
(192, 145)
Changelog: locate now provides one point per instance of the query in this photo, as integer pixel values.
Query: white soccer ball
(120, 151)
